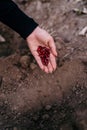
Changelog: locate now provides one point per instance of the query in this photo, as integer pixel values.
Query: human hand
(40, 37)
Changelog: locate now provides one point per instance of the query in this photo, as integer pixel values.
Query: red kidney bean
(44, 54)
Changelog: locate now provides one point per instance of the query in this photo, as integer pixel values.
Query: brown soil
(35, 100)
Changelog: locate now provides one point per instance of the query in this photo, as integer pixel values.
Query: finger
(38, 60)
(50, 67)
(52, 46)
(46, 69)
(40, 63)
(53, 61)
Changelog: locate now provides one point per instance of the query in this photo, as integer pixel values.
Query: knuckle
(50, 37)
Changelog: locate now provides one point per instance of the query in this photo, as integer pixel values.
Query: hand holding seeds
(43, 48)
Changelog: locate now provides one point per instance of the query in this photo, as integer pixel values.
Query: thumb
(52, 46)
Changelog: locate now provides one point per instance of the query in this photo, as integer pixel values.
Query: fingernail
(51, 72)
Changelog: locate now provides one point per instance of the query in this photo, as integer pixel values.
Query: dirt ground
(31, 99)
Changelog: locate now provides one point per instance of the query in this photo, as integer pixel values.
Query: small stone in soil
(58, 45)
(48, 107)
(24, 61)
(35, 118)
(45, 117)
(33, 66)
(2, 39)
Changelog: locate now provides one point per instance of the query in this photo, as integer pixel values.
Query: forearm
(12, 16)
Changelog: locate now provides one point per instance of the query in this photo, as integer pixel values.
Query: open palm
(40, 37)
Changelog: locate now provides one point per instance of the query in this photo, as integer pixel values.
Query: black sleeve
(12, 16)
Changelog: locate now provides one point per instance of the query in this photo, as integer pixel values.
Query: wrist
(32, 35)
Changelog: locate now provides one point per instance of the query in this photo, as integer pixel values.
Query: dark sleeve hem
(28, 29)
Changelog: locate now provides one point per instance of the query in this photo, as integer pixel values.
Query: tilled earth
(31, 99)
